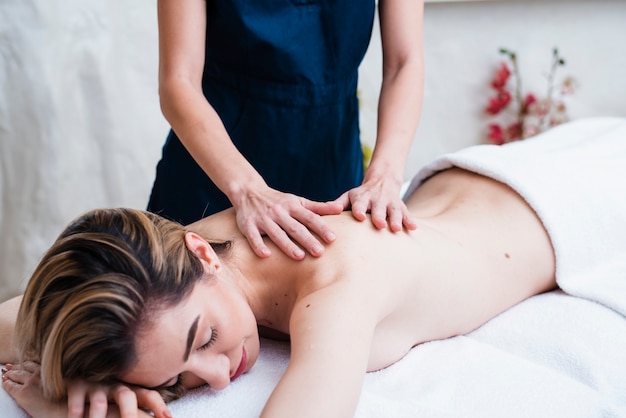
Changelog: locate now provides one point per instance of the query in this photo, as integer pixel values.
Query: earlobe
(203, 250)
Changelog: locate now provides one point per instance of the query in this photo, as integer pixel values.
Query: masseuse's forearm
(400, 100)
(202, 132)
(399, 111)
(8, 314)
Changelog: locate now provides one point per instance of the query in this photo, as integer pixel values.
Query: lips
(242, 365)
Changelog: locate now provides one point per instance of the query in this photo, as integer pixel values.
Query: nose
(211, 370)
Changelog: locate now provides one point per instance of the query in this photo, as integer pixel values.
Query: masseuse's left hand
(380, 196)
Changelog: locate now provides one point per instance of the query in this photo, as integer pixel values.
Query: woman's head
(96, 288)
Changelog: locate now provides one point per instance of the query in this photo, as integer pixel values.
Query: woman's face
(211, 337)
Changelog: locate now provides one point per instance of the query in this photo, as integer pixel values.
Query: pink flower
(531, 129)
(514, 131)
(569, 86)
(502, 76)
(499, 102)
(529, 114)
(539, 108)
(529, 100)
(495, 135)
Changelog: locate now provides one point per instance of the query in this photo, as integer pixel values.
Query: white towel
(574, 177)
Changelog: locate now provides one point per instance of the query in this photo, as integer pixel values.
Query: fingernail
(298, 253)
(317, 249)
(330, 236)
(4, 370)
(167, 413)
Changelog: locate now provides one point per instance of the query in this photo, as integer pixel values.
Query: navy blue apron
(282, 75)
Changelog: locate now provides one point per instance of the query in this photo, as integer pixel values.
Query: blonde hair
(99, 285)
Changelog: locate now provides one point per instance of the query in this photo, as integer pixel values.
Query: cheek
(191, 381)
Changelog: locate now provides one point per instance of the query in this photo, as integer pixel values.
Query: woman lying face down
(124, 296)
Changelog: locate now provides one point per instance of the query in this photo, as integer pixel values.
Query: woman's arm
(399, 110)
(8, 315)
(260, 209)
(331, 335)
(22, 382)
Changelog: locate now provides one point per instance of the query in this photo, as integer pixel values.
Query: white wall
(80, 125)
(461, 43)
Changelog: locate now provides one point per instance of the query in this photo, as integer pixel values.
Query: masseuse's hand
(288, 220)
(380, 196)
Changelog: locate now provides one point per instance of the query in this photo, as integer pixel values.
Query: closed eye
(209, 343)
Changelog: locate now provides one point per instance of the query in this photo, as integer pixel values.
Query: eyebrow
(191, 335)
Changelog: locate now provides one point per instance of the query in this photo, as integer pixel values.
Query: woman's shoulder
(219, 226)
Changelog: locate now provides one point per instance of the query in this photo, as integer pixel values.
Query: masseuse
(261, 98)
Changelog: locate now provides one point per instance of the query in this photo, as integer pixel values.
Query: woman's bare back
(478, 250)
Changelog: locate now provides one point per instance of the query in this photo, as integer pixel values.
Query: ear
(203, 250)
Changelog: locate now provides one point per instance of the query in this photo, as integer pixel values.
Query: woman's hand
(126, 400)
(381, 198)
(23, 383)
(288, 220)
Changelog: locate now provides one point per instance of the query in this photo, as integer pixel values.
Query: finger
(315, 224)
(343, 201)
(395, 217)
(379, 216)
(359, 209)
(16, 374)
(126, 401)
(12, 387)
(31, 366)
(98, 403)
(151, 400)
(76, 397)
(11, 375)
(280, 235)
(297, 228)
(252, 234)
(324, 208)
(407, 220)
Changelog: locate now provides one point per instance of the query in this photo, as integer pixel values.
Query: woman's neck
(269, 285)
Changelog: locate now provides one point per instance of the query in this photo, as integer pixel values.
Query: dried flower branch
(529, 114)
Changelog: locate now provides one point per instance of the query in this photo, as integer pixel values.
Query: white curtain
(80, 125)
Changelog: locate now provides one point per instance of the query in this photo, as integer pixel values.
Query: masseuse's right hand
(287, 219)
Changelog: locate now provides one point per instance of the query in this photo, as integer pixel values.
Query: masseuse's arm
(284, 218)
(399, 109)
(331, 335)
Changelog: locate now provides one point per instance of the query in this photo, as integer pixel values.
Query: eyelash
(210, 342)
